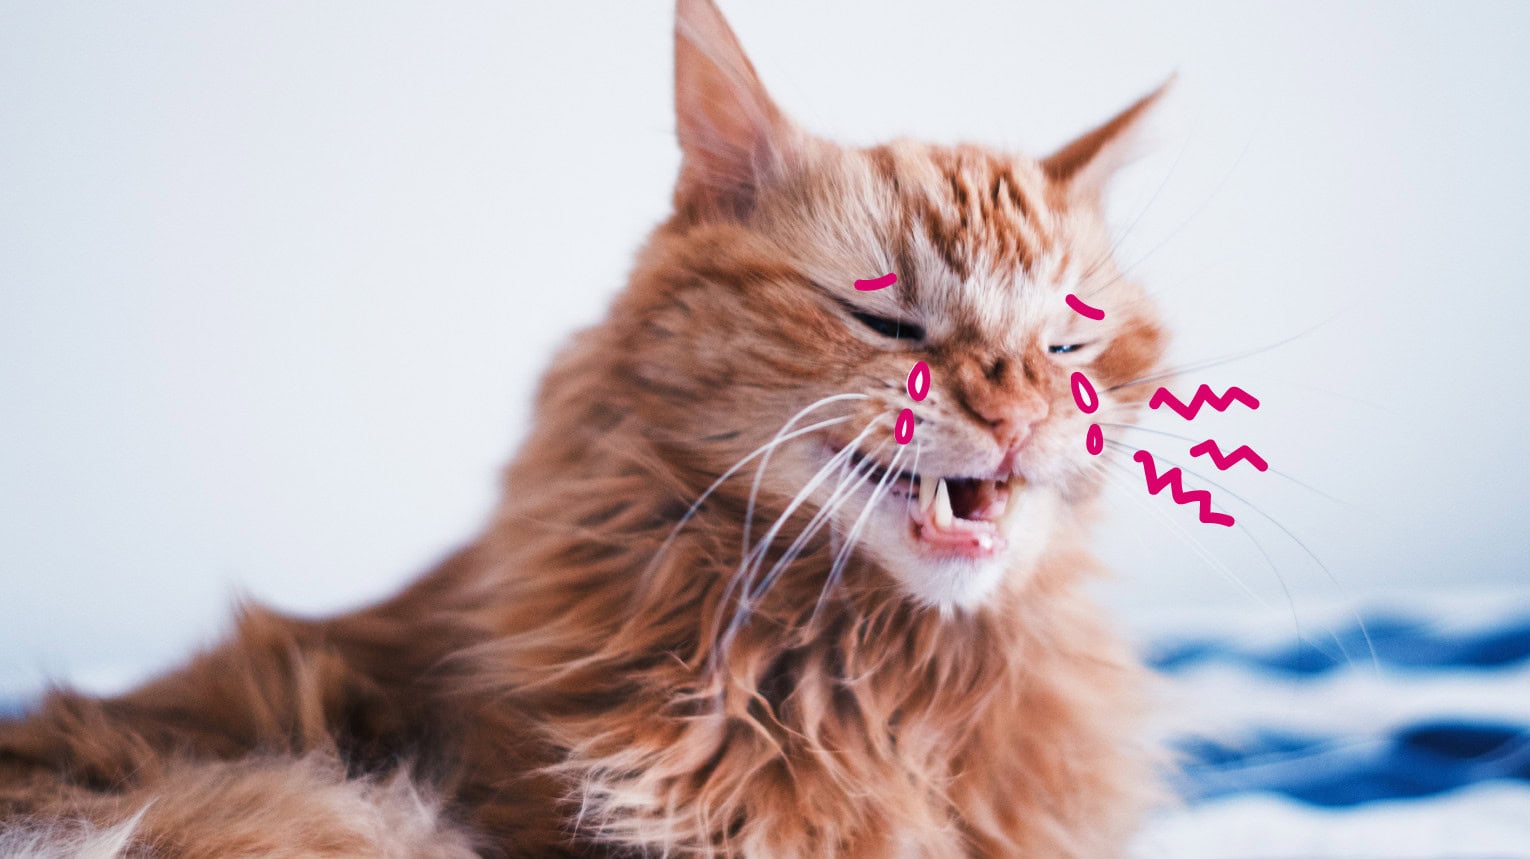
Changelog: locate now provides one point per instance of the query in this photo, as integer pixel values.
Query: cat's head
(744, 326)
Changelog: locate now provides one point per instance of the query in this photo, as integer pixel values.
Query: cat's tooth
(926, 494)
(1013, 504)
(943, 515)
(1014, 486)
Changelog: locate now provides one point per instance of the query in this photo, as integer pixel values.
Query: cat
(719, 610)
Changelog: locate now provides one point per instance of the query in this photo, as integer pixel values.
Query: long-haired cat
(719, 611)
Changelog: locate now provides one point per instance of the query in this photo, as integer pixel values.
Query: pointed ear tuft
(733, 139)
(1086, 164)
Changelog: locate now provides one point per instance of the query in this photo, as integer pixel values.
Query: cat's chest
(775, 784)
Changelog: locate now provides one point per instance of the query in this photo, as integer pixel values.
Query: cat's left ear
(733, 138)
(1084, 166)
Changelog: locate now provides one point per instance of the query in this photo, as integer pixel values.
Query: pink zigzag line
(1203, 396)
(1174, 480)
(1224, 461)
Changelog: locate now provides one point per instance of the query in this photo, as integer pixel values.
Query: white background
(277, 279)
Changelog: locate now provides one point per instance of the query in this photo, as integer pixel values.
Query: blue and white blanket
(1395, 735)
(1406, 736)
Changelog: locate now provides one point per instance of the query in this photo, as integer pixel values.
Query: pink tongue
(933, 536)
(965, 536)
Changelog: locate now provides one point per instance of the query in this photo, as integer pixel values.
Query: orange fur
(575, 682)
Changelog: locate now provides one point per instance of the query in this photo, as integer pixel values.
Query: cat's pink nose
(1012, 434)
(1012, 421)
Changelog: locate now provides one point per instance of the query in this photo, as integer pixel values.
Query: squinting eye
(890, 327)
(1063, 350)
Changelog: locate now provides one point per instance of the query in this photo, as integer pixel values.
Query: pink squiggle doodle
(1094, 440)
(1224, 461)
(877, 283)
(1204, 396)
(1083, 309)
(1174, 480)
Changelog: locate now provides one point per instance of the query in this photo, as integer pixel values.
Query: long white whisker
(1188, 539)
(913, 473)
(742, 611)
(1187, 221)
(1269, 561)
(759, 473)
(860, 522)
(838, 551)
(751, 563)
(1208, 363)
(1360, 621)
(696, 505)
(741, 579)
(847, 487)
(1163, 183)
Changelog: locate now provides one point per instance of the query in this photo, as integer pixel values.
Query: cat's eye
(895, 328)
(1065, 349)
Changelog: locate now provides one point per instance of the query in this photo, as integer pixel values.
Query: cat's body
(603, 672)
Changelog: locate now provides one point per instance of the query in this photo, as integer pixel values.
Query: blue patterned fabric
(1395, 641)
(1411, 761)
(1396, 737)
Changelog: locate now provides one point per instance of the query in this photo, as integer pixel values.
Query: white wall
(276, 279)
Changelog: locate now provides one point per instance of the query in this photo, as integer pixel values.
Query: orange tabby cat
(719, 612)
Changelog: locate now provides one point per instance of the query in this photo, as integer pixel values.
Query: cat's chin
(960, 564)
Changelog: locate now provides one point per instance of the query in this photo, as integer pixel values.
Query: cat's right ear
(1083, 166)
(733, 138)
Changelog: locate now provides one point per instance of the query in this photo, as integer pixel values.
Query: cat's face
(756, 319)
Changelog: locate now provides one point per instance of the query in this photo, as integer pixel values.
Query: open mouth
(961, 516)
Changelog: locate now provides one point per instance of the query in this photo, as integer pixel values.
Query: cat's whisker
(851, 543)
(734, 469)
(859, 474)
(1115, 245)
(1221, 568)
(1225, 571)
(1127, 426)
(854, 478)
(1360, 621)
(913, 472)
(759, 473)
(1258, 546)
(750, 564)
(848, 485)
(1195, 545)
(740, 580)
(1208, 363)
(1199, 210)
(839, 502)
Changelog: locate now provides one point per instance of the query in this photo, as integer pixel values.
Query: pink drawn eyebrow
(1074, 302)
(877, 283)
